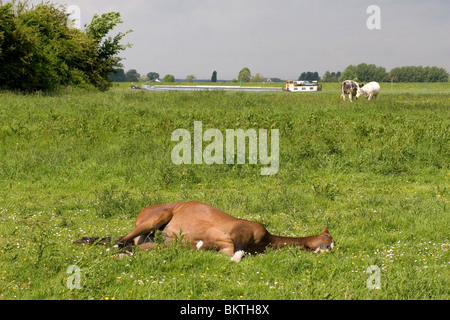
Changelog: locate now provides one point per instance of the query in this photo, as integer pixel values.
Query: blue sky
(275, 38)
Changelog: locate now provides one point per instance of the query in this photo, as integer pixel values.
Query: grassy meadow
(84, 163)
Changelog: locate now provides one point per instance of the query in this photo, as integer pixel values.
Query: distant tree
(258, 77)
(214, 76)
(349, 74)
(245, 75)
(327, 77)
(190, 78)
(331, 76)
(152, 76)
(132, 76)
(381, 75)
(316, 76)
(168, 78)
(309, 76)
(435, 74)
(364, 72)
(419, 74)
(403, 74)
(370, 72)
(118, 75)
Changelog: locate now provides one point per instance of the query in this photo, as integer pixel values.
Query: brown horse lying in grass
(209, 228)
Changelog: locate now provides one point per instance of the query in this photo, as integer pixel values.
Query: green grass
(85, 163)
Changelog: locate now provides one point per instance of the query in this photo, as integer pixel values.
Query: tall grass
(85, 163)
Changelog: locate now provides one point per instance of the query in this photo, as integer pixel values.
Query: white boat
(302, 86)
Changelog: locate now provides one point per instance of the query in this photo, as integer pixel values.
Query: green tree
(132, 76)
(33, 55)
(370, 72)
(152, 76)
(245, 75)
(118, 75)
(190, 78)
(214, 76)
(309, 76)
(331, 76)
(349, 74)
(381, 75)
(107, 47)
(419, 74)
(327, 77)
(168, 78)
(38, 51)
(435, 74)
(400, 74)
(258, 77)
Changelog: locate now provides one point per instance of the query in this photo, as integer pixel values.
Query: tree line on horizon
(360, 73)
(119, 75)
(370, 72)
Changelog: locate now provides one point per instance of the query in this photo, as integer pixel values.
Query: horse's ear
(325, 230)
